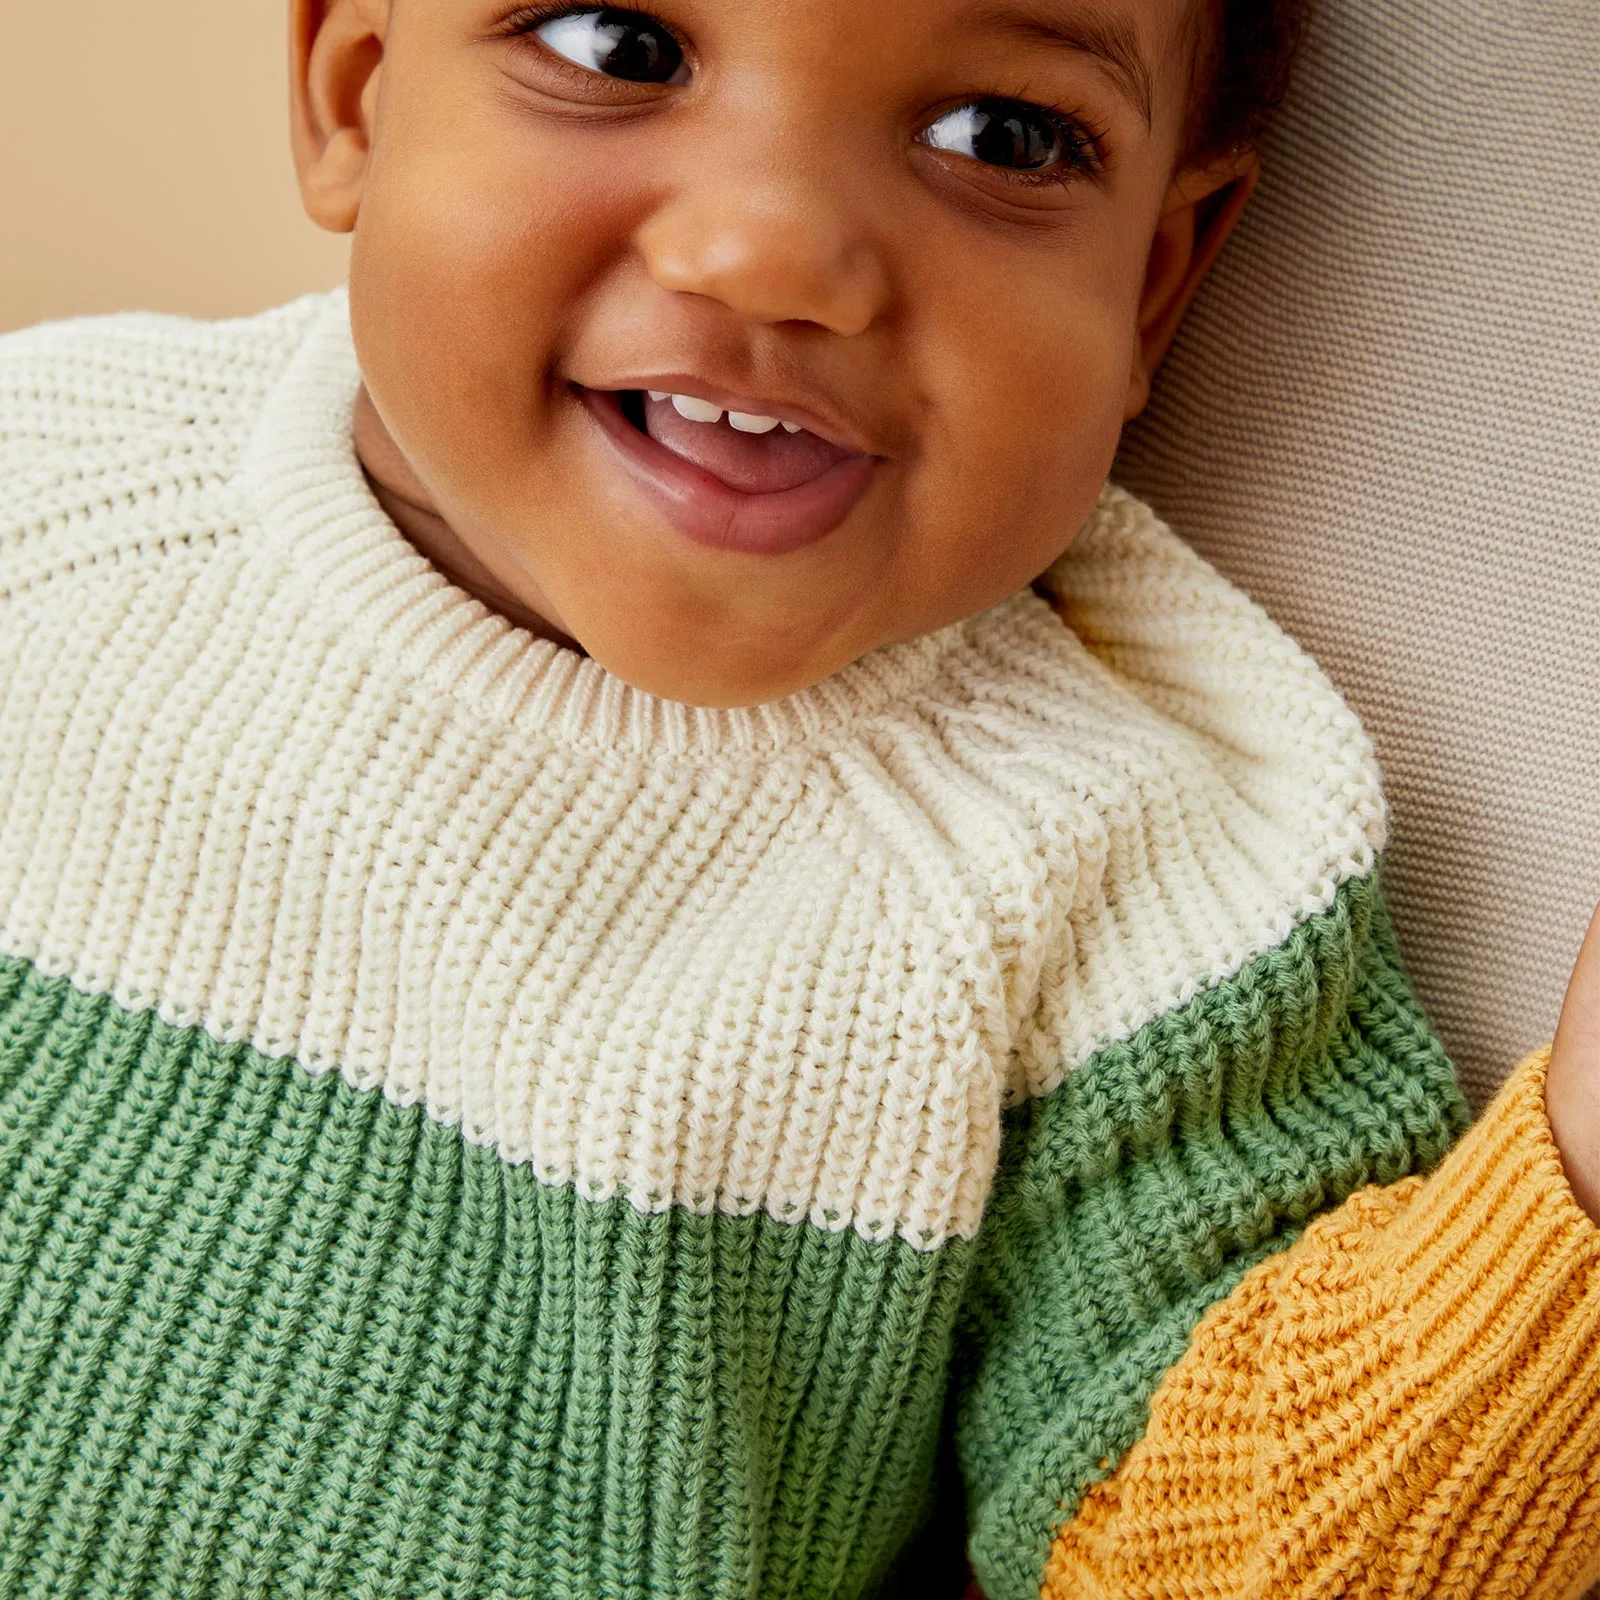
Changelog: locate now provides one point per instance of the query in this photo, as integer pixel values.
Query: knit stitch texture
(471, 1128)
(1352, 1419)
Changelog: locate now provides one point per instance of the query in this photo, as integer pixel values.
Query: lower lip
(707, 511)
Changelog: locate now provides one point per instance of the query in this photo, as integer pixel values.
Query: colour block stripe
(261, 1333)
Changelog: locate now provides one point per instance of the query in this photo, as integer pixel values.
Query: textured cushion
(1383, 420)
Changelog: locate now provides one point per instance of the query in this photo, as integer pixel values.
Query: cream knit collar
(306, 481)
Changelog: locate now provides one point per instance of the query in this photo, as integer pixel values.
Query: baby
(649, 947)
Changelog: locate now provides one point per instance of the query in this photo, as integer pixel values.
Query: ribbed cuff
(1439, 1423)
(1499, 1208)
(1406, 1403)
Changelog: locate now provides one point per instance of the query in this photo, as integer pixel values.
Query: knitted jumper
(469, 1128)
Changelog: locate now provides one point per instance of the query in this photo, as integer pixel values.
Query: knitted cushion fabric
(1382, 420)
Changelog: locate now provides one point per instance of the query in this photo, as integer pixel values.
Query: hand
(1572, 1091)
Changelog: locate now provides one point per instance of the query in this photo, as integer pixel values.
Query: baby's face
(736, 338)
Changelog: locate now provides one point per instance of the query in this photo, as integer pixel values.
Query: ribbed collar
(305, 481)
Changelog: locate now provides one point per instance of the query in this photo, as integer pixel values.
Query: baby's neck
(408, 505)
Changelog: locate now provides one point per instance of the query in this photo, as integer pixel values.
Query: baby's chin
(736, 674)
(704, 640)
(710, 639)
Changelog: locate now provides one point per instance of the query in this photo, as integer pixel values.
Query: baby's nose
(771, 254)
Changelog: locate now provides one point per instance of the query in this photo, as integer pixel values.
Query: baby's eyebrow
(1112, 41)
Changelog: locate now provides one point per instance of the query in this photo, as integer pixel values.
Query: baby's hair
(1242, 65)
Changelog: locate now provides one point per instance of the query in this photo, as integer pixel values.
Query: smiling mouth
(731, 480)
(746, 451)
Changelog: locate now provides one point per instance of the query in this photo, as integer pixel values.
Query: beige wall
(144, 160)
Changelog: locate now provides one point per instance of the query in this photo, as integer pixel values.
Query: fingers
(1580, 1017)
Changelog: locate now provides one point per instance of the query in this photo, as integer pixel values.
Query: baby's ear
(336, 56)
(1199, 212)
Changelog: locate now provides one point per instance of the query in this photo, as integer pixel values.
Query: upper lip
(813, 418)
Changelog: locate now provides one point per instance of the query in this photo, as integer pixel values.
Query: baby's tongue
(755, 463)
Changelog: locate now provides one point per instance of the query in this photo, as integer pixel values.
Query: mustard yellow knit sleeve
(1406, 1402)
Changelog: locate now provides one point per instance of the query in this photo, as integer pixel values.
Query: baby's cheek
(476, 247)
(999, 498)
(1035, 425)
(1031, 479)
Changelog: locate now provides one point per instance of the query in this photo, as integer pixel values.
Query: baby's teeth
(693, 410)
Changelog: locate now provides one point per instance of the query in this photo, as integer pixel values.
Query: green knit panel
(263, 1335)
(1141, 1191)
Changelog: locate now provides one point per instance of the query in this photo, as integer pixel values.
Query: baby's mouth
(737, 482)
(747, 452)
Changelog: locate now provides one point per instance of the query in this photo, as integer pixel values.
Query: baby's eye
(620, 44)
(1013, 135)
